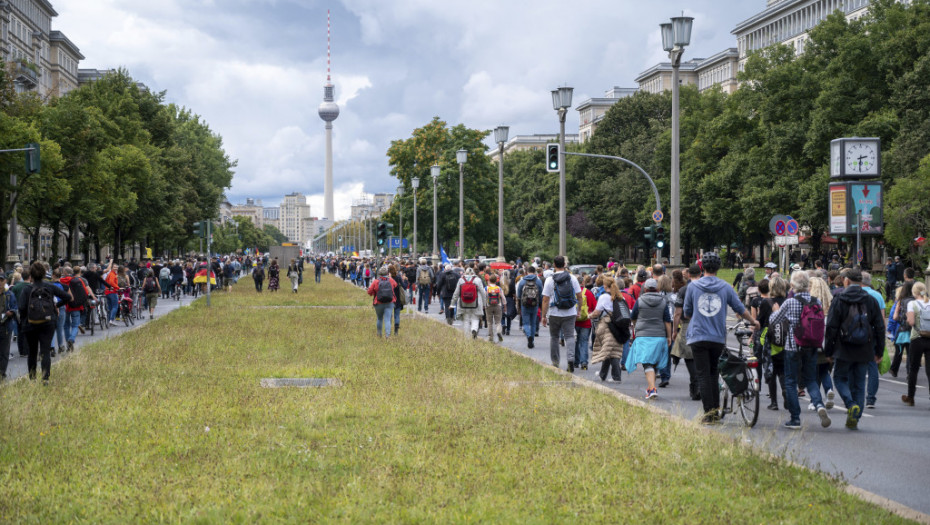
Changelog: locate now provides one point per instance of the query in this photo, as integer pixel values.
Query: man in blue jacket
(705, 305)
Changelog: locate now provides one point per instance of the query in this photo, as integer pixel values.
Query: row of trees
(744, 157)
(120, 168)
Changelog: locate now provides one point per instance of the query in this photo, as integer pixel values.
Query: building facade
(531, 143)
(252, 210)
(592, 111)
(292, 220)
(658, 78)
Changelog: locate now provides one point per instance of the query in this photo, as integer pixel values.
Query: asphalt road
(889, 455)
(17, 366)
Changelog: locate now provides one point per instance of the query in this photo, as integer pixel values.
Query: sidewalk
(17, 366)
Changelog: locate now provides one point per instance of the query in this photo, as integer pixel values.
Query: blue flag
(442, 253)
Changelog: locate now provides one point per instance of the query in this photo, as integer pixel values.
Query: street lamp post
(561, 101)
(434, 171)
(416, 184)
(676, 35)
(400, 214)
(461, 156)
(500, 136)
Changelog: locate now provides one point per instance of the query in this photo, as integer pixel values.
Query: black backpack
(620, 320)
(564, 291)
(451, 280)
(149, 286)
(78, 292)
(385, 291)
(41, 307)
(856, 329)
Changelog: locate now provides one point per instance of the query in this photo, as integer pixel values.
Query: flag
(442, 253)
(354, 254)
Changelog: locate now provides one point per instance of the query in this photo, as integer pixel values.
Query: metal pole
(562, 219)
(401, 226)
(14, 242)
(500, 201)
(209, 259)
(435, 233)
(674, 232)
(415, 222)
(461, 213)
(858, 236)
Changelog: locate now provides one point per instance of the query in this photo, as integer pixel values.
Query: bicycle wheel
(749, 407)
(91, 316)
(725, 404)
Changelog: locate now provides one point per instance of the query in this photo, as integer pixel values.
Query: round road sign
(791, 227)
(657, 216)
(779, 227)
(859, 256)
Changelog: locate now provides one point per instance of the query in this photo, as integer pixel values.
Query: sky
(255, 69)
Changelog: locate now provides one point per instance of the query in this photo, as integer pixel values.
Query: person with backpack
(653, 328)
(509, 286)
(918, 320)
(73, 309)
(749, 288)
(382, 291)
(400, 294)
(317, 269)
(529, 290)
(706, 303)
(258, 275)
(583, 323)
(450, 281)
(562, 294)
(609, 338)
(901, 336)
(164, 280)
(39, 315)
(425, 278)
(680, 349)
(774, 293)
(497, 302)
(8, 308)
(854, 336)
(806, 326)
(151, 288)
(470, 298)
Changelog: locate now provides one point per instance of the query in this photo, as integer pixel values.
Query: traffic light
(390, 229)
(382, 233)
(660, 236)
(33, 158)
(649, 235)
(199, 229)
(553, 158)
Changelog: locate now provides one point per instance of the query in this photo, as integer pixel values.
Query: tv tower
(328, 111)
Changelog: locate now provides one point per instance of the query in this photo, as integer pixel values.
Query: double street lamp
(461, 156)
(676, 35)
(434, 171)
(561, 101)
(416, 184)
(400, 214)
(500, 136)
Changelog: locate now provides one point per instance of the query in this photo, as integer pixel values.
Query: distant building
(63, 64)
(292, 218)
(87, 76)
(592, 111)
(658, 78)
(252, 210)
(719, 70)
(530, 143)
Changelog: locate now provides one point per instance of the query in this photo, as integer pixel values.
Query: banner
(851, 202)
(838, 209)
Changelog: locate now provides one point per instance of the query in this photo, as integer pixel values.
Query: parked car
(582, 269)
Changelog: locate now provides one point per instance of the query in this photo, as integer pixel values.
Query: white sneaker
(830, 395)
(811, 407)
(824, 417)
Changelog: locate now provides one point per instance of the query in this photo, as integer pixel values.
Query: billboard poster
(866, 201)
(838, 209)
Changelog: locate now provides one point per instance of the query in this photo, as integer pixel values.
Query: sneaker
(664, 383)
(811, 407)
(53, 351)
(584, 366)
(571, 367)
(802, 393)
(710, 419)
(830, 396)
(474, 334)
(71, 346)
(81, 328)
(603, 378)
(651, 393)
(852, 417)
(824, 417)
(555, 364)
(529, 342)
(500, 337)
(793, 424)
(772, 406)
(870, 404)
(907, 400)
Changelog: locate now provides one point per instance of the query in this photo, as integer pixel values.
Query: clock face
(861, 158)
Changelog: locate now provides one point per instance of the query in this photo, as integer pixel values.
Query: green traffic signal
(659, 236)
(553, 158)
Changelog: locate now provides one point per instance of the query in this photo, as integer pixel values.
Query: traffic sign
(791, 227)
(785, 240)
(780, 228)
(657, 216)
(776, 218)
(859, 256)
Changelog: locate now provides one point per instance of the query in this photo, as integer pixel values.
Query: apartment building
(292, 220)
(531, 143)
(592, 111)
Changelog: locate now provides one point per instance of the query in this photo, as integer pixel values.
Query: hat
(771, 265)
(651, 284)
(469, 271)
(795, 267)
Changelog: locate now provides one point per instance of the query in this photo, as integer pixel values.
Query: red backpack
(469, 293)
(810, 330)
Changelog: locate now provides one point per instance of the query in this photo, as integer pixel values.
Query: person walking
(317, 269)
(680, 349)
(274, 273)
(400, 294)
(383, 298)
(293, 274)
(705, 306)
(652, 325)
(854, 337)
(151, 287)
(561, 293)
(871, 394)
(583, 324)
(497, 303)
(7, 315)
(528, 291)
(258, 275)
(607, 349)
(40, 316)
(450, 281)
(425, 277)
(904, 295)
(470, 298)
(508, 285)
(801, 349)
(918, 319)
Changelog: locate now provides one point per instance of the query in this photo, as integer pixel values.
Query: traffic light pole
(631, 163)
(209, 259)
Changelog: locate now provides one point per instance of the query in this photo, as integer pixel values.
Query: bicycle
(176, 291)
(748, 400)
(125, 308)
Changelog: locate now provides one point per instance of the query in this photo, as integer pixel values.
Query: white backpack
(923, 320)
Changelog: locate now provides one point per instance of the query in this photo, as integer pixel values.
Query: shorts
(152, 299)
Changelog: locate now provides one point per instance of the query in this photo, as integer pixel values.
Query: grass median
(169, 423)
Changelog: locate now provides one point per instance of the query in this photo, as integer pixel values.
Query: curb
(894, 507)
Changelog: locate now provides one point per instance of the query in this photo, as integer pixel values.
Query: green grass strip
(168, 423)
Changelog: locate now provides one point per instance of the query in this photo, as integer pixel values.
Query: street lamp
(561, 101)
(461, 156)
(500, 136)
(400, 214)
(434, 171)
(416, 184)
(676, 35)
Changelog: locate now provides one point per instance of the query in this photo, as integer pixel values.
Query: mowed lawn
(169, 423)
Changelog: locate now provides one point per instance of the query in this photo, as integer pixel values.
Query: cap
(651, 284)
(795, 267)
(771, 265)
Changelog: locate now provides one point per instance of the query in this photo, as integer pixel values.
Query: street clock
(855, 158)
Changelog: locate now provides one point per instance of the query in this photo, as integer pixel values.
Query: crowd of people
(652, 319)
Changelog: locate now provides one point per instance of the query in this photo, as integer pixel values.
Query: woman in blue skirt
(653, 329)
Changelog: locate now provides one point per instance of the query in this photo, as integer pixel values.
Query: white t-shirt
(605, 303)
(549, 291)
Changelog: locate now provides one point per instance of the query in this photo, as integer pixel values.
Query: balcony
(27, 75)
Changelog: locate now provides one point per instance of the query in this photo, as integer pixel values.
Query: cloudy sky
(254, 70)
